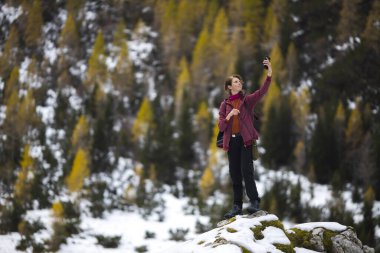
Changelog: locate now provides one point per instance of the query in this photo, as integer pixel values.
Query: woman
(235, 120)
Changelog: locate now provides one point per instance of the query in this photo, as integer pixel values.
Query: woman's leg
(248, 173)
(234, 156)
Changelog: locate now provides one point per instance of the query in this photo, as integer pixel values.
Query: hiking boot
(236, 210)
(254, 206)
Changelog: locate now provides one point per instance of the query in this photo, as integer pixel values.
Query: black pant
(241, 166)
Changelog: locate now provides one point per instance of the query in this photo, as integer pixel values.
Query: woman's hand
(266, 62)
(233, 112)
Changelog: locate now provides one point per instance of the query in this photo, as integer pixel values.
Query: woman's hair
(228, 82)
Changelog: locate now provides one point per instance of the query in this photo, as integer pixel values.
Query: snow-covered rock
(263, 232)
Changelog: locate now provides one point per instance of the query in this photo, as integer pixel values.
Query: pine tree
(271, 30)
(323, 147)
(375, 159)
(10, 55)
(27, 117)
(69, 38)
(207, 183)
(73, 6)
(203, 120)
(253, 12)
(122, 76)
(34, 24)
(81, 135)
(10, 120)
(224, 49)
(183, 81)
(271, 98)
(241, 12)
(219, 35)
(25, 179)
(79, 171)
(368, 229)
(143, 121)
(185, 21)
(200, 65)
(339, 126)
(12, 84)
(96, 73)
(186, 136)
(349, 21)
(371, 33)
(210, 13)
(235, 11)
(292, 65)
(278, 136)
(299, 104)
(119, 36)
(58, 210)
(353, 132)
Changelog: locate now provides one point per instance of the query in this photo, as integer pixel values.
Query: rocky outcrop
(263, 233)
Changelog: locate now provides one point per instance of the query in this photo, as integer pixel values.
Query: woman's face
(236, 86)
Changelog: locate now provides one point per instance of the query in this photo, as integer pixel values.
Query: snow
(238, 234)
(10, 13)
(1, 84)
(74, 99)
(50, 51)
(350, 44)
(302, 250)
(129, 225)
(8, 243)
(275, 235)
(334, 226)
(3, 110)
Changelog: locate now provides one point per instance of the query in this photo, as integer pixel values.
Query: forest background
(86, 84)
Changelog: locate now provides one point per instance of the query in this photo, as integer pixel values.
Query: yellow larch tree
(81, 134)
(203, 120)
(143, 121)
(58, 210)
(271, 29)
(12, 83)
(9, 56)
(371, 33)
(97, 72)
(299, 104)
(292, 65)
(69, 37)
(79, 171)
(354, 130)
(182, 84)
(200, 65)
(207, 181)
(271, 98)
(33, 30)
(27, 117)
(25, 178)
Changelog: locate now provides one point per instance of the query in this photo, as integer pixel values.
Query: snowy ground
(131, 226)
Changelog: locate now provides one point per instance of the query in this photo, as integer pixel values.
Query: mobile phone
(266, 57)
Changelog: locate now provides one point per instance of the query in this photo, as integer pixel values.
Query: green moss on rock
(273, 223)
(327, 242)
(287, 248)
(257, 232)
(300, 238)
(231, 230)
(219, 241)
(245, 250)
(231, 220)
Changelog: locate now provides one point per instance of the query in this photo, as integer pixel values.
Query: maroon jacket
(247, 104)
